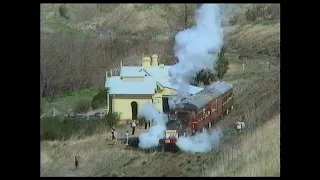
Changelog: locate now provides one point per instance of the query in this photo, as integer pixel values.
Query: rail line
(95, 174)
(165, 162)
(157, 171)
(152, 160)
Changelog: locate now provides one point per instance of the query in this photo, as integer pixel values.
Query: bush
(252, 14)
(99, 99)
(52, 128)
(63, 12)
(112, 119)
(82, 106)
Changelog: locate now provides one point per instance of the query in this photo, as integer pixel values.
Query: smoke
(151, 137)
(196, 48)
(201, 142)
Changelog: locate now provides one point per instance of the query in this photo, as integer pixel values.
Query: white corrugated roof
(158, 71)
(148, 85)
(118, 86)
(167, 84)
(132, 71)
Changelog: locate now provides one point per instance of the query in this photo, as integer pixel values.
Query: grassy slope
(67, 101)
(256, 154)
(57, 157)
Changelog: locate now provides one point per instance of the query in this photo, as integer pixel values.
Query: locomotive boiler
(197, 112)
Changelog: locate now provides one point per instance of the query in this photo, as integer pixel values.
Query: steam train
(197, 112)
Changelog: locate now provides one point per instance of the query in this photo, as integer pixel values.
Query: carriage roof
(210, 93)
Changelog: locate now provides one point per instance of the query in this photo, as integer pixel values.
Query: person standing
(242, 124)
(76, 160)
(145, 124)
(114, 137)
(238, 126)
(127, 138)
(133, 126)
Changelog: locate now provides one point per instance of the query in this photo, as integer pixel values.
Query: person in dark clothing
(145, 125)
(76, 160)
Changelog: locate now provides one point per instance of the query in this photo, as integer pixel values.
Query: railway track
(148, 163)
(163, 170)
(111, 164)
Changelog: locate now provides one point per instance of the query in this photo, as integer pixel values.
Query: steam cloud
(201, 142)
(150, 138)
(196, 48)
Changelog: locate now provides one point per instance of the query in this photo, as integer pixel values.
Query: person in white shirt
(127, 138)
(133, 126)
(114, 138)
(238, 126)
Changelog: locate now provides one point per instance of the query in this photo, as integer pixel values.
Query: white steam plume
(151, 137)
(196, 48)
(201, 142)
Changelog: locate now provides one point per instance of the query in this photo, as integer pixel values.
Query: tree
(222, 64)
(205, 77)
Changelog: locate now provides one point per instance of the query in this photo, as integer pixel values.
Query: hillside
(257, 85)
(80, 42)
(163, 21)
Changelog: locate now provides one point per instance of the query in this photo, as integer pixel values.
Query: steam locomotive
(197, 112)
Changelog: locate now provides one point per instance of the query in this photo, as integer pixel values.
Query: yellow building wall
(122, 104)
(157, 98)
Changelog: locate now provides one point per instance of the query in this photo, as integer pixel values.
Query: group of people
(114, 133)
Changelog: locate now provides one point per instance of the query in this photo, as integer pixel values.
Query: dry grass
(255, 153)
(258, 38)
(57, 157)
(102, 158)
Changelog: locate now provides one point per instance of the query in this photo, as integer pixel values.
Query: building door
(165, 104)
(134, 110)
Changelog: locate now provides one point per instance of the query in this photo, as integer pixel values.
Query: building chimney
(154, 60)
(146, 62)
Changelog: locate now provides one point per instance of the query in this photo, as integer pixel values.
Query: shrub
(99, 99)
(82, 106)
(63, 12)
(112, 119)
(54, 129)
